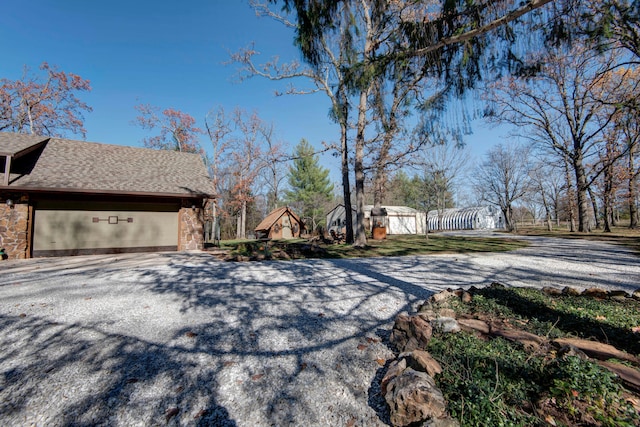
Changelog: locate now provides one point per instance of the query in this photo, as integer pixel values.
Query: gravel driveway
(185, 339)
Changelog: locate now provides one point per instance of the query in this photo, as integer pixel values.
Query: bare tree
(561, 108)
(504, 178)
(442, 166)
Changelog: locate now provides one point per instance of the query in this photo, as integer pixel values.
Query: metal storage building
(473, 218)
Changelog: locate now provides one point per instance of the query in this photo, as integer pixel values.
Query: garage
(79, 228)
(62, 197)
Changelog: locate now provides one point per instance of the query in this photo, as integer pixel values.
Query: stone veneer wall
(190, 229)
(14, 227)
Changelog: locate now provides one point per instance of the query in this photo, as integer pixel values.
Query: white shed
(401, 219)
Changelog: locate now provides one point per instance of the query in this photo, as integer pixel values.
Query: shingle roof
(78, 166)
(273, 216)
(12, 144)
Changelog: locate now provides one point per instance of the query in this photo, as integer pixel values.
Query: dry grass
(620, 235)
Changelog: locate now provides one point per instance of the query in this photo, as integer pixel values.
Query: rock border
(408, 385)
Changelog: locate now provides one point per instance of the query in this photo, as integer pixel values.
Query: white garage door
(402, 225)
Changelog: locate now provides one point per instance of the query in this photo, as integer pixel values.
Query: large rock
(413, 397)
(410, 332)
(421, 361)
(395, 369)
(636, 294)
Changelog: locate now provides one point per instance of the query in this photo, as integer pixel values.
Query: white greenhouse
(474, 218)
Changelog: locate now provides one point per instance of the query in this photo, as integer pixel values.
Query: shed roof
(62, 165)
(394, 210)
(274, 216)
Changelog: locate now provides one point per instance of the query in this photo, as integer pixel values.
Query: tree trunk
(594, 203)
(506, 212)
(581, 190)
(360, 239)
(346, 186)
(570, 197)
(633, 191)
(547, 209)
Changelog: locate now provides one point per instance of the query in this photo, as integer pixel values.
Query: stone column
(190, 229)
(14, 226)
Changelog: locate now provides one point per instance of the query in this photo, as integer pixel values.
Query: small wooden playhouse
(281, 223)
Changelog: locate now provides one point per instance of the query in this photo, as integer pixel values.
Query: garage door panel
(65, 229)
(402, 225)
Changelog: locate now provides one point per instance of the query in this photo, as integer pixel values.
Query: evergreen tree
(309, 185)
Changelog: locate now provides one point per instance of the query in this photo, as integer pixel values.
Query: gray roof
(78, 166)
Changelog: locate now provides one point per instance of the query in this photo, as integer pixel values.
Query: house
(63, 197)
(281, 223)
(400, 219)
(471, 218)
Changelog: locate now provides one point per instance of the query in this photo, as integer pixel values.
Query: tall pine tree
(309, 185)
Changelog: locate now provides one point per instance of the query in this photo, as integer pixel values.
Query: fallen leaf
(575, 393)
(370, 340)
(200, 413)
(601, 318)
(320, 314)
(23, 315)
(636, 329)
(381, 362)
(87, 298)
(256, 377)
(549, 419)
(228, 363)
(132, 380)
(179, 389)
(303, 366)
(351, 422)
(170, 413)
(362, 346)
(191, 334)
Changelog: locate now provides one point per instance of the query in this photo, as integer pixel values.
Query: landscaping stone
(466, 297)
(636, 294)
(474, 325)
(395, 368)
(442, 297)
(568, 290)
(617, 293)
(630, 376)
(442, 422)
(527, 339)
(597, 350)
(410, 332)
(421, 361)
(413, 397)
(445, 325)
(552, 291)
(595, 293)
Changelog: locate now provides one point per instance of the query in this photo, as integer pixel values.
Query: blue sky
(168, 54)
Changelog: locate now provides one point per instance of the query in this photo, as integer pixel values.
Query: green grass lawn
(391, 246)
